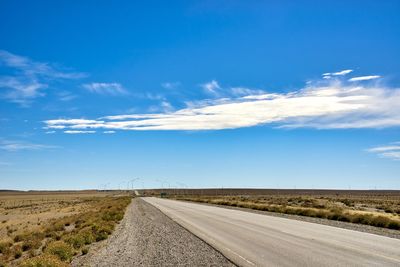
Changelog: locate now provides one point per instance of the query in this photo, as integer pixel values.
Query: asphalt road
(250, 239)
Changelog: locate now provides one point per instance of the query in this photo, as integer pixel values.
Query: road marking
(209, 239)
(243, 258)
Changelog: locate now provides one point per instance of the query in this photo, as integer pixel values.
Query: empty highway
(250, 239)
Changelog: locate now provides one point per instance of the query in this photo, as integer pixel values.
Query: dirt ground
(20, 211)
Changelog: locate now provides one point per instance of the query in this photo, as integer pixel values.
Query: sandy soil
(20, 212)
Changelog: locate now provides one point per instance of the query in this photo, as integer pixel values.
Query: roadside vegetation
(379, 211)
(56, 241)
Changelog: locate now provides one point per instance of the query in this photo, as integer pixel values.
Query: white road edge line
(210, 239)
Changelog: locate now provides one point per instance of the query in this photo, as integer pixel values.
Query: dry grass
(375, 210)
(66, 226)
(28, 211)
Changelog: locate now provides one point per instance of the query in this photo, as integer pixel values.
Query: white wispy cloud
(30, 78)
(66, 96)
(364, 78)
(339, 73)
(323, 105)
(244, 91)
(214, 89)
(391, 151)
(79, 132)
(261, 96)
(14, 146)
(21, 90)
(109, 132)
(210, 87)
(166, 106)
(71, 121)
(36, 68)
(105, 88)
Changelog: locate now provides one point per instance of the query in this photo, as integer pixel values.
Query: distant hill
(9, 191)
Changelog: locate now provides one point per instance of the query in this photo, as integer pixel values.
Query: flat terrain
(28, 211)
(79, 222)
(50, 228)
(146, 237)
(252, 239)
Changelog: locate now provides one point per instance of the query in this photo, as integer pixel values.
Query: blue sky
(277, 94)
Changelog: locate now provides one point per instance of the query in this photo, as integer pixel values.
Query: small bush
(394, 225)
(106, 228)
(60, 249)
(362, 219)
(4, 247)
(28, 236)
(319, 206)
(348, 202)
(112, 216)
(56, 227)
(380, 221)
(75, 240)
(344, 218)
(88, 237)
(389, 210)
(85, 250)
(321, 214)
(44, 260)
(334, 216)
(95, 227)
(18, 238)
(33, 243)
(101, 236)
(17, 251)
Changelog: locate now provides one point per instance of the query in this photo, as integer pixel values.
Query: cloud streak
(211, 87)
(29, 78)
(113, 89)
(391, 151)
(14, 146)
(364, 78)
(339, 73)
(329, 104)
(30, 67)
(78, 132)
(329, 75)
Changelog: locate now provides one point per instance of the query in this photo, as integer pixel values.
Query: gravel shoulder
(147, 237)
(346, 225)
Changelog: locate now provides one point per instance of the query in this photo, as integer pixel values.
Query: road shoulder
(147, 237)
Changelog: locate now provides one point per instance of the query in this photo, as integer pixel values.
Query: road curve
(250, 239)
